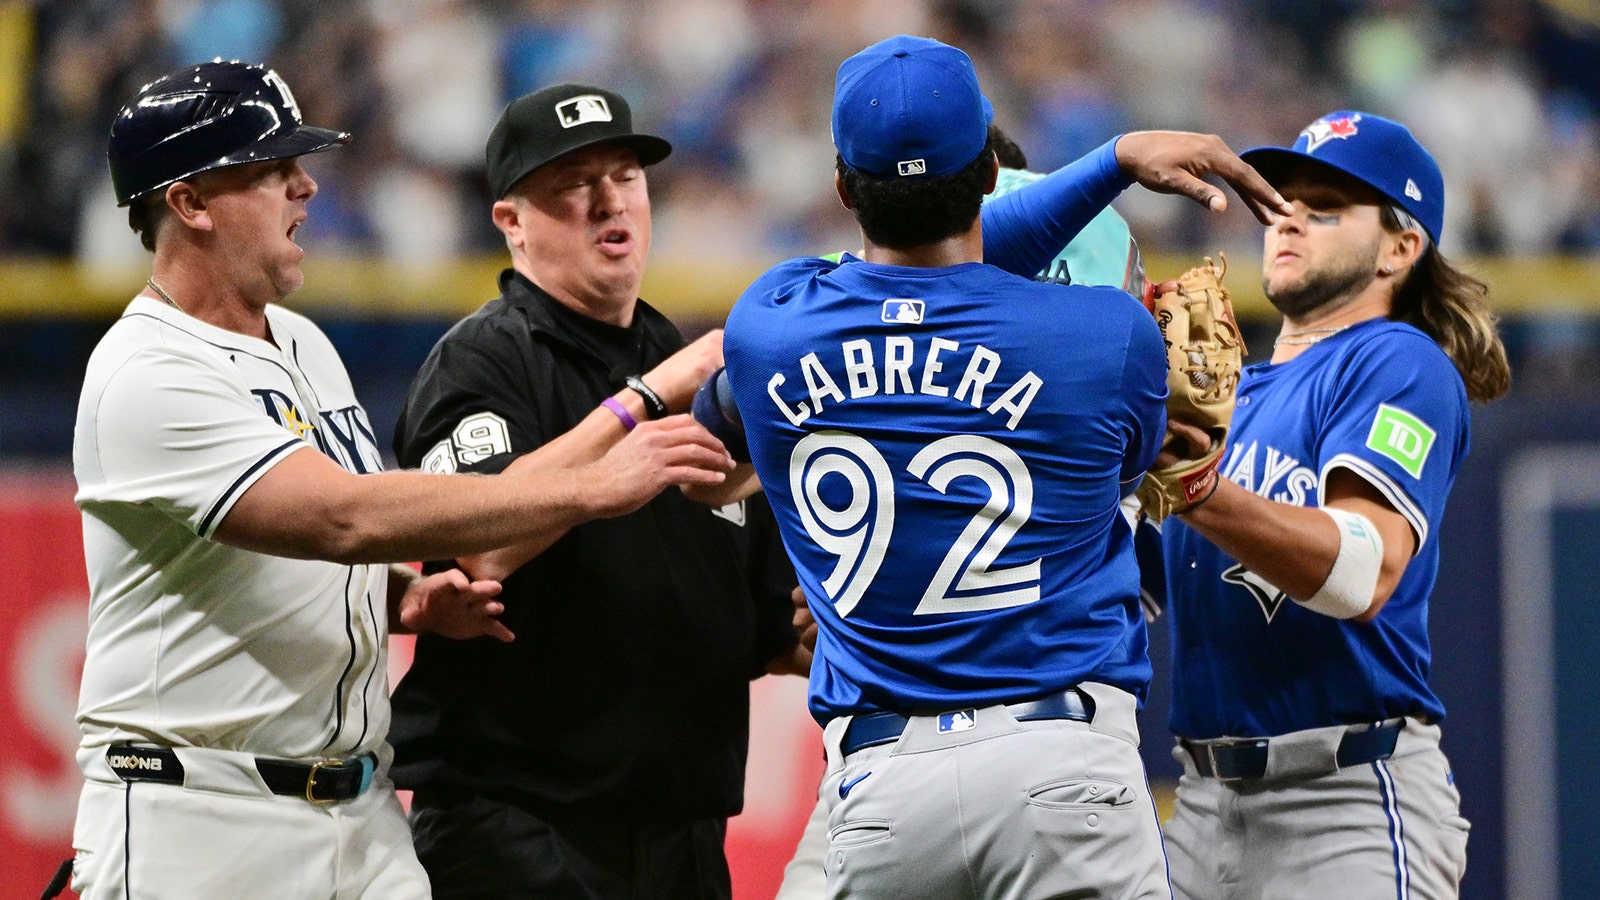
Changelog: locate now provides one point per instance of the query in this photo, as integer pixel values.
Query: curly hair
(1452, 307)
(1008, 151)
(904, 212)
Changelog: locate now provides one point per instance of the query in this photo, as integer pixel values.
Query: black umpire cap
(537, 128)
(205, 117)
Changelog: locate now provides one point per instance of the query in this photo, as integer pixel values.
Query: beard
(1323, 289)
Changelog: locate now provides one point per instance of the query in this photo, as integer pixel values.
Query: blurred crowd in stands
(1507, 94)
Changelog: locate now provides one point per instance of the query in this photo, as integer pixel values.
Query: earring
(1388, 270)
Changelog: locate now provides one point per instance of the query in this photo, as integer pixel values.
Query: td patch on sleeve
(1402, 437)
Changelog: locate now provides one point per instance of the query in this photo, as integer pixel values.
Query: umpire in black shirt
(600, 753)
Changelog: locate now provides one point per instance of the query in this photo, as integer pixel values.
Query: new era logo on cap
(1412, 190)
(582, 110)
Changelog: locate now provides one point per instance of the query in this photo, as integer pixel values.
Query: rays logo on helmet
(274, 79)
(1324, 130)
(582, 110)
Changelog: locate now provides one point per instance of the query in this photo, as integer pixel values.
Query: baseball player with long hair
(1299, 591)
(237, 529)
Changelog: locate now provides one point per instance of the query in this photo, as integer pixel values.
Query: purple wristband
(615, 405)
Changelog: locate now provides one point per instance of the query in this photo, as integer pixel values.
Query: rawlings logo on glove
(1204, 357)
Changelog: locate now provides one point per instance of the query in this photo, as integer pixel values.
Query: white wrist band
(1348, 591)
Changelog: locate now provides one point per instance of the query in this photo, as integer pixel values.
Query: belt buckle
(1211, 759)
(311, 779)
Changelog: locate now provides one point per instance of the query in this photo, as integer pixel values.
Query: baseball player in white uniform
(237, 526)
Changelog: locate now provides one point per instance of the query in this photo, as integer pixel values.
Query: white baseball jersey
(193, 643)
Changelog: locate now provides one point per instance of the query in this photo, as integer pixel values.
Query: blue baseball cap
(909, 107)
(1373, 150)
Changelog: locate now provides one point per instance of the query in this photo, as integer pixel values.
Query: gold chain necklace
(1308, 336)
(164, 295)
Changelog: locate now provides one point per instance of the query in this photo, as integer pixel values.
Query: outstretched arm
(674, 380)
(307, 507)
(1024, 229)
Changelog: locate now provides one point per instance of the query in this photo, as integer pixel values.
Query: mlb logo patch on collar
(960, 720)
(902, 311)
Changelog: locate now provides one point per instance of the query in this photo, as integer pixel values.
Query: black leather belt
(327, 781)
(1247, 758)
(871, 729)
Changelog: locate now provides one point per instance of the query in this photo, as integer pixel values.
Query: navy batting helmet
(205, 117)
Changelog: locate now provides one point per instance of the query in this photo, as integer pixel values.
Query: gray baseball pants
(1001, 810)
(1385, 830)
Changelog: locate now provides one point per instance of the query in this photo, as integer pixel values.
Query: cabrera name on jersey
(944, 448)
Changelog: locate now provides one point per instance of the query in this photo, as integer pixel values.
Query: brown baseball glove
(1204, 356)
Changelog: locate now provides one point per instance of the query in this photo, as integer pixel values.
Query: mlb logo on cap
(584, 109)
(526, 137)
(1376, 151)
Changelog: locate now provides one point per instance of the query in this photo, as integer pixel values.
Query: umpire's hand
(671, 451)
(453, 605)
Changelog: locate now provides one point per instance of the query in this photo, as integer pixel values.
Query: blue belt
(1230, 760)
(871, 729)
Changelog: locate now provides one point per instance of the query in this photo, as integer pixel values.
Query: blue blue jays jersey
(1383, 401)
(944, 450)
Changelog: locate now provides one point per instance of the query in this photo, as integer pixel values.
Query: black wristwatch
(654, 406)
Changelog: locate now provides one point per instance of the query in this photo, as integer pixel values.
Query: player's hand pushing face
(1175, 162)
(674, 450)
(453, 605)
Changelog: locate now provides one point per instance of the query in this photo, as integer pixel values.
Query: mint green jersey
(1103, 253)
